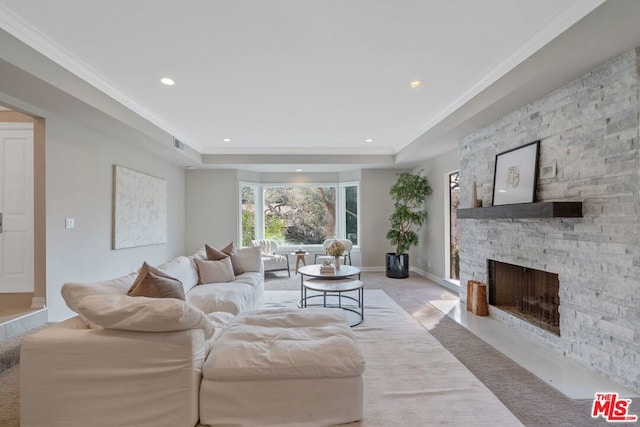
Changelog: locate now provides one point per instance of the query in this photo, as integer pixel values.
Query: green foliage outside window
(305, 215)
(248, 214)
(248, 227)
(298, 215)
(351, 217)
(274, 228)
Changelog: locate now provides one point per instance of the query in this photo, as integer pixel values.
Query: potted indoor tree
(409, 194)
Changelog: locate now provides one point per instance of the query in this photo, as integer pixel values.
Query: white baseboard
(439, 280)
(38, 303)
(372, 269)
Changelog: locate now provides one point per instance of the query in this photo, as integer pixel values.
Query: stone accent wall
(589, 129)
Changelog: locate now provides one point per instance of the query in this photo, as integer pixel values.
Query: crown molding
(32, 37)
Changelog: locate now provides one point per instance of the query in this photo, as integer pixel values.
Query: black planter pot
(397, 265)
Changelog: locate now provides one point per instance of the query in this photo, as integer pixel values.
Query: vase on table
(336, 261)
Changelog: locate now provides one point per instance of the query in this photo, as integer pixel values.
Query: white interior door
(16, 207)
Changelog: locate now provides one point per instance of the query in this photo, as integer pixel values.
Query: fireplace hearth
(529, 294)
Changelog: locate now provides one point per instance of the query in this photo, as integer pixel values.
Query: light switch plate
(69, 223)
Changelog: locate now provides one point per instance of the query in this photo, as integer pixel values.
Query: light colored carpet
(526, 396)
(410, 379)
(9, 398)
(533, 401)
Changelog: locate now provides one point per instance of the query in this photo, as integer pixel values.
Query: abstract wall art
(139, 209)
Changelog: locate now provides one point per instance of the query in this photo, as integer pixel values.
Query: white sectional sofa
(138, 361)
(123, 375)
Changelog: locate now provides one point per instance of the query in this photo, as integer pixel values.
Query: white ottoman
(279, 367)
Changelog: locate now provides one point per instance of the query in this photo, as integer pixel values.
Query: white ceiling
(293, 77)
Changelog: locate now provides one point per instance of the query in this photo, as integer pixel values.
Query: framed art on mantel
(516, 175)
(139, 209)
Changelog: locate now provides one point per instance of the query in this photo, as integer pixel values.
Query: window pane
(299, 215)
(351, 213)
(454, 199)
(248, 214)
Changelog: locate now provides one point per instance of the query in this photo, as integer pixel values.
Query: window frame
(342, 212)
(340, 225)
(447, 224)
(257, 200)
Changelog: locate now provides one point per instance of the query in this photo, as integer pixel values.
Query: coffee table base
(328, 295)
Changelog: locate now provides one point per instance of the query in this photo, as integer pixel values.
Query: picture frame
(516, 175)
(139, 209)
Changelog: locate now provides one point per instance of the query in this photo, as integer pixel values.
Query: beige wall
(79, 165)
(376, 206)
(429, 255)
(212, 208)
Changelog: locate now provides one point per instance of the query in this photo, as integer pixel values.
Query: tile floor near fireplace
(571, 378)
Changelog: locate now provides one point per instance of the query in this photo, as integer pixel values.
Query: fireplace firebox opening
(531, 295)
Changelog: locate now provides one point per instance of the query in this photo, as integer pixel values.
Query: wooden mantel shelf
(524, 210)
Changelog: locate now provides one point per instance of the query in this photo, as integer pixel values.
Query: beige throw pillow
(230, 250)
(250, 258)
(215, 271)
(214, 254)
(153, 283)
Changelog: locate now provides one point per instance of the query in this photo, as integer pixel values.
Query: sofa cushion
(233, 297)
(154, 286)
(230, 250)
(285, 343)
(144, 314)
(182, 268)
(220, 319)
(144, 269)
(74, 292)
(214, 254)
(252, 278)
(249, 258)
(215, 271)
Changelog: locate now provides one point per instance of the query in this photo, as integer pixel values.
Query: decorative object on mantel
(409, 194)
(548, 171)
(477, 298)
(524, 210)
(516, 175)
(477, 203)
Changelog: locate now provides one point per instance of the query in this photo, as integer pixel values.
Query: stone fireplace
(589, 136)
(527, 293)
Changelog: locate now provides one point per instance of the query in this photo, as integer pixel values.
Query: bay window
(299, 215)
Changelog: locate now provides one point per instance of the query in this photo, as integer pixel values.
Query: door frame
(37, 125)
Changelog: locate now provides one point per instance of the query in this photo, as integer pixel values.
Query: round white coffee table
(331, 287)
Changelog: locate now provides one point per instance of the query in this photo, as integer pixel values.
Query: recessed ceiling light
(226, 139)
(368, 140)
(167, 81)
(415, 84)
(298, 170)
